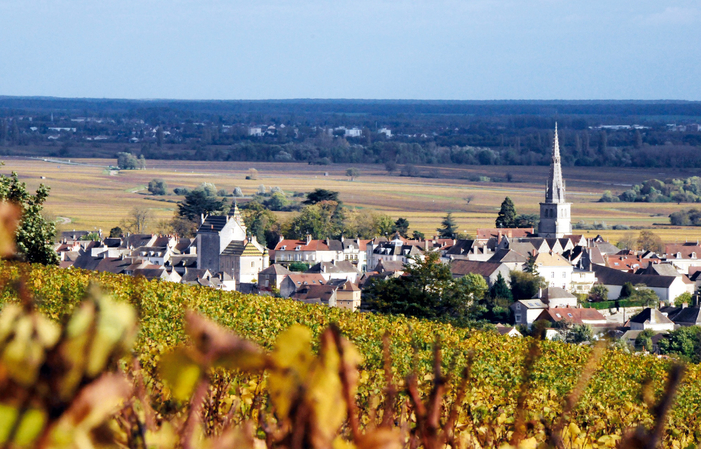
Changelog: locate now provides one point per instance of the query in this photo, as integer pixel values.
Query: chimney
(309, 239)
(281, 238)
(201, 218)
(426, 245)
(685, 305)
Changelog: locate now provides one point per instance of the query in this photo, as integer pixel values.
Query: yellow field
(93, 199)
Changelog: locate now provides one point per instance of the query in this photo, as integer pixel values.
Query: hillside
(611, 403)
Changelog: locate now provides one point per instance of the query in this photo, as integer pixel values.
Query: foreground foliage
(618, 396)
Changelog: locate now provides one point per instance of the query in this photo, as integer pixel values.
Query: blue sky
(374, 49)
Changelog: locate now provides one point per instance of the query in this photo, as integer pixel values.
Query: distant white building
(387, 132)
(255, 131)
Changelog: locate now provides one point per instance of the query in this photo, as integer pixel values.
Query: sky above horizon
(360, 49)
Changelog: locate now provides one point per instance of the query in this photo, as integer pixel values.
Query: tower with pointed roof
(555, 211)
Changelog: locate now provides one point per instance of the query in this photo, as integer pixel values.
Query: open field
(92, 198)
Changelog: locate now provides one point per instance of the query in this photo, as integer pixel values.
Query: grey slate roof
(650, 315)
(508, 256)
(611, 276)
(213, 223)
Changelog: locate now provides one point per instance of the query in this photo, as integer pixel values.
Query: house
(390, 266)
(317, 294)
(555, 269)
(214, 235)
(592, 317)
(396, 250)
(272, 276)
(526, 311)
(308, 250)
(667, 288)
(631, 336)
(509, 331)
(582, 281)
(348, 296)
(469, 250)
(355, 251)
(556, 297)
(683, 316)
(651, 319)
(293, 282)
(488, 270)
(243, 260)
(335, 270)
(512, 259)
(683, 255)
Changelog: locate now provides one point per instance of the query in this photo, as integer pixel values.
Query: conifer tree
(500, 289)
(448, 227)
(507, 214)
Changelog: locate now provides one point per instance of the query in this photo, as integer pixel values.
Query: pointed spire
(555, 189)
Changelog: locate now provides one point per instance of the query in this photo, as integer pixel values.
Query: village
(335, 272)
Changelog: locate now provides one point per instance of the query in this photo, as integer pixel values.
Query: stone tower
(555, 211)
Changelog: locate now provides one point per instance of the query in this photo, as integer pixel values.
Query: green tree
(500, 289)
(238, 193)
(525, 285)
(579, 333)
(401, 226)
(526, 221)
(684, 342)
(319, 195)
(157, 187)
(277, 201)
(449, 227)
(320, 220)
(116, 232)
(427, 290)
(259, 221)
(507, 214)
(685, 298)
(137, 220)
(197, 203)
(34, 235)
(530, 265)
(644, 295)
(644, 340)
(127, 161)
(417, 235)
(383, 224)
(352, 173)
(599, 292)
(626, 290)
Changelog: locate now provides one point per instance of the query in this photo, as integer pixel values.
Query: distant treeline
(655, 191)
(676, 156)
(592, 133)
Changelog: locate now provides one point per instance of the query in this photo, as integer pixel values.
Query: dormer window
(283, 247)
(297, 248)
(693, 255)
(679, 255)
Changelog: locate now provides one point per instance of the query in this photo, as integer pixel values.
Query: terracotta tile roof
(460, 267)
(573, 315)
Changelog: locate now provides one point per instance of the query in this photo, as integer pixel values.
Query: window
(252, 264)
(518, 318)
(564, 275)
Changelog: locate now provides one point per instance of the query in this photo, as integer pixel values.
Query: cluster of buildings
(224, 256)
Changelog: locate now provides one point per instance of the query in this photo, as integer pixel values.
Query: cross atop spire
(555, 190)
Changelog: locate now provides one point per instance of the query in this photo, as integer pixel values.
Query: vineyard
(497, 395)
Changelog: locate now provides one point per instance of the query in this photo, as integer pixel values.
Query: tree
(138, 219)
(34, 235)
(319, 195)
(644, 340)
(352, 173)
(526, 221)
(401, 226)
(649, 241)
(277, 201)
(181, 191)
(383, 224)
(320, 220)
(448, 227)
(500, 289)
(427, 290)
(644, 295)
(252, 174)
(116, 232)
(530, 265)
(579, 333)
(628, 241)
(507, 214)
(627, 289)
(198, 203)
(259, 221)
(207, 188)
(238, 193)
(685, 298)
(525, 285)
(469, 198)
(417, 235)
(127, 161)
(157, 187)
(599, 292)
(391, 166)
(684, 342)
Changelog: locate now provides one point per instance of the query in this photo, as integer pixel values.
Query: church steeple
(555, 189)
(554, 211)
